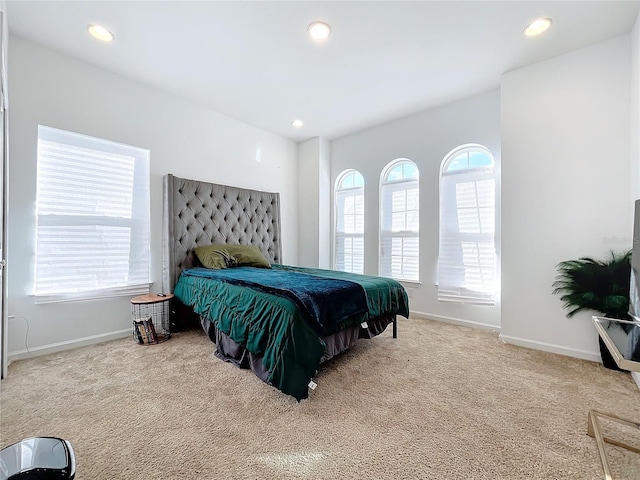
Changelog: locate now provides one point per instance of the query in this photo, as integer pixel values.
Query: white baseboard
(455, 321)
(552, 348)
(522, 342)
(547, 347)
(67, 345)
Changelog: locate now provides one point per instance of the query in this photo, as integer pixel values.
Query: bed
(281, 322)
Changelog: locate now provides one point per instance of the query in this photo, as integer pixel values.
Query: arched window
(349, 222)
(466, 261)
(399, 221)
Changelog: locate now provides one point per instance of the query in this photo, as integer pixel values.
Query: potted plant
(600, 286)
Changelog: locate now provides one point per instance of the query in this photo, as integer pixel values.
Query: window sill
(128, 291)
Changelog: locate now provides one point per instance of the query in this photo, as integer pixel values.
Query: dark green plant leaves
(589, 284)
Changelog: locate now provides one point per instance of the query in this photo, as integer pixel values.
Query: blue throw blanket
(326, 302)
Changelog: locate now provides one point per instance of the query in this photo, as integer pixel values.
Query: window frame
(461, 293)
(384, 234)
(336, 233)
(138, 222)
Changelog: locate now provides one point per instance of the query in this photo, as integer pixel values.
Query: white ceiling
(253, 61)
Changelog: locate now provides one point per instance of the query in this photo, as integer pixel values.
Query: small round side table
(150, 317)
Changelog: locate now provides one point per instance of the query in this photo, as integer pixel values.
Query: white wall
(635, 125)
(325, 194)
(4, 40)
(426, 139)
(314, 247)
(635, 110)
(184, 139)
(565, 185)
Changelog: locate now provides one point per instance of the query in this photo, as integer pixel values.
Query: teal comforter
(325, 302)
(274, 328)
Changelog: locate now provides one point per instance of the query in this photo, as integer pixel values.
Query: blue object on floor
(38, 458)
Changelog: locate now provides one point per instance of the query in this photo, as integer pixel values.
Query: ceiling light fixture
(319, 31)
(536, 27)
(297, 123)
(100, 33)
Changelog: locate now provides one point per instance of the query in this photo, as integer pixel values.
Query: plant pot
(607, 358)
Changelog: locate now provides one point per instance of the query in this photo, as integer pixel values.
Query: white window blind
(399, 223)
(466, 261)
(92, 217)
(349, 222)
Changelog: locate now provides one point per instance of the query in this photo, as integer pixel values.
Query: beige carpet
(440, 402)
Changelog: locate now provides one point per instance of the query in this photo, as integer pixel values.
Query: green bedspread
(274, 328)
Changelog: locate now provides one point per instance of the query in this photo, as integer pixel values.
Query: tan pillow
(219, 256)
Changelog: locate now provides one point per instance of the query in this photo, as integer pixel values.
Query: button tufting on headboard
(199, 213)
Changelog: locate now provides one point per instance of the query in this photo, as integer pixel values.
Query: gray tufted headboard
(198, 213)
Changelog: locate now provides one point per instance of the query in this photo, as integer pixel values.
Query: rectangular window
(349, 247)
(92, 236)
(400, 230)
(466, 262)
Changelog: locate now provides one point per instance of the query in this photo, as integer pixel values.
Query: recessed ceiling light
(100, 33)
(319, 31)
(297, 123)
(536, 27)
